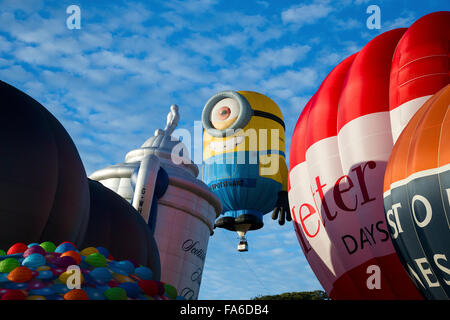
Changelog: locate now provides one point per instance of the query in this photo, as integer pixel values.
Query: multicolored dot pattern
(40, 272)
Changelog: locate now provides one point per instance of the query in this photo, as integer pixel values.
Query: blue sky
(111, 83)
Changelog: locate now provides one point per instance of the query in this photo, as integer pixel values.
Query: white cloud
(297, 103)
(301, 79)
(15, 73)
(264, 4)
(121, 16)
(348, 24)
(191, 6)
(333, 56)
(28, 6)
(212, 48)
(98, 39)
(329, 58)
(403, 21)
(276, 252)
(306, 13)
(5, 45)
(286, 56)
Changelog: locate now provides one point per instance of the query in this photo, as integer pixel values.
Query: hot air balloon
(116, 225)
(46, 196)
(420, 67)
(340, 147)
(245, 166)
(44, 192)
(417, 196)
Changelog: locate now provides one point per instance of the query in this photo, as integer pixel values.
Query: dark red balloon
(14, 295)
(34, 249)
(149, 287)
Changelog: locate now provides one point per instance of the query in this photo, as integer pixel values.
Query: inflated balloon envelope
(46, 196)
(183, 218)
(417, 196)
(244, 155)
(339, 151)
(44, 192)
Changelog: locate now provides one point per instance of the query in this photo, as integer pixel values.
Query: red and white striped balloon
(340, 147)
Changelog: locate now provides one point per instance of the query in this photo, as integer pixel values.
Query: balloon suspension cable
(249, 268)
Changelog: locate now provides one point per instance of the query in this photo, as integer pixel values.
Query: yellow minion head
(241, 121)
(246, 123)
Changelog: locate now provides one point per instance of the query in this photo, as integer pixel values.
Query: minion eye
(224, 113)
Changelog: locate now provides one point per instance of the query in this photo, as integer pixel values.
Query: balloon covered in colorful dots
(45, 193)
(49, 272)
(339, 152)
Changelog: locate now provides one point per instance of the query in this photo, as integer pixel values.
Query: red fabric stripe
(322, 122)
(395, 283)
(420, 65)
(298, 143)
(366, 89)
(362, 89)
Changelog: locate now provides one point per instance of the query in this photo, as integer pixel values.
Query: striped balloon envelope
(420, 67)
(339, 151)
(417, 196)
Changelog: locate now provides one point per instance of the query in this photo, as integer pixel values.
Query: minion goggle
(228, 111)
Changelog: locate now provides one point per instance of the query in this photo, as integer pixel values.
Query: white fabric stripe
(319, 257)
(415, 175)
(401, 115)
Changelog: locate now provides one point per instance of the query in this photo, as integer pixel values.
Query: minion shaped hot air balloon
(245, 166)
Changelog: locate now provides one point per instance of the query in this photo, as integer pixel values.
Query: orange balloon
(20, 274)
(75, 255)
(76, 294)
(417, 196)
